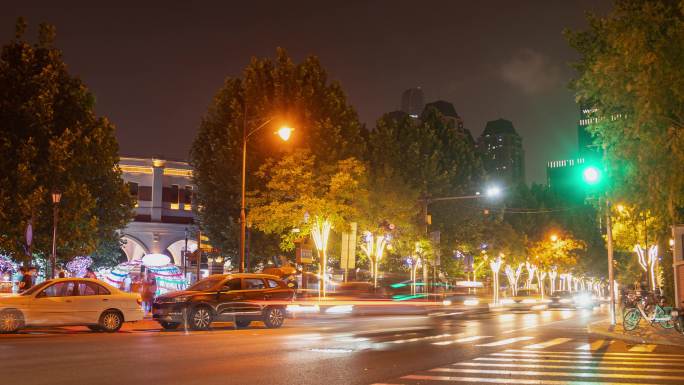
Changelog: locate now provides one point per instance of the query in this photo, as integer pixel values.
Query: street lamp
(493, 191)
(284, 133)
(554, 237)
(56, 197)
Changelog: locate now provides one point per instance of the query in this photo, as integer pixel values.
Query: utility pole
(199, 253)
(184, 263)
(611, 277)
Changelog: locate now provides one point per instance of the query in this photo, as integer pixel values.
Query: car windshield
(206, 283)
(36, 288)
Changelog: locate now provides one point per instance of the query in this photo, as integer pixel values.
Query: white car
(70, 302)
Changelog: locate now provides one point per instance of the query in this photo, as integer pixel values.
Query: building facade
(502, 152)
(563, 176)
(413, 101)
(164, 216)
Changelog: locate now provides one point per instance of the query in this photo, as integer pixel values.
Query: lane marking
(558, 374)
(596, 345)
(571, 367)
(510, 381)
(643, 348)
(507, 341)
(602, 354)
(420, 338)
(576, 361)
(461, 340)
(537, 355)
(553, 342)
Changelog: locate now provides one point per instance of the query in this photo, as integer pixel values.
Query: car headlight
(471, 302)
(529, 300)
(582, 299)
(446, 302)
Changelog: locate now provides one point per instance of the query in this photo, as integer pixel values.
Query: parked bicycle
(651, 307)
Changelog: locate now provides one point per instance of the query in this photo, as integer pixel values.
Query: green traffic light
(591, 175)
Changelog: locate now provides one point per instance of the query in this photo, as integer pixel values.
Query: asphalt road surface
(549, 347)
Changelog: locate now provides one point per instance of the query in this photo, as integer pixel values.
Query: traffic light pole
(611, 276)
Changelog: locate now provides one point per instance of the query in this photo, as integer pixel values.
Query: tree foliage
(299, 95)
(51, 139)
(298, 189)
(630, 72)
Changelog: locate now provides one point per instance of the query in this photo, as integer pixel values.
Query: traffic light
(591, 175)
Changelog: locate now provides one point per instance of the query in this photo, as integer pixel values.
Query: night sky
(155, 68)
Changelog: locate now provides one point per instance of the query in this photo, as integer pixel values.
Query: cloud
(531, 71)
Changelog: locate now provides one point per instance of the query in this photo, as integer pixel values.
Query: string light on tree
(495, 265)
(648, 261)
(320, 232)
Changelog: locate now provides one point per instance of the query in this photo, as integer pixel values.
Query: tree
(51, 139)
(630, 75)
(299, 95)
(302, 197)
(430, 157)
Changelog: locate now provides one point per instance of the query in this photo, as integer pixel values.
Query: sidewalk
(644, 334)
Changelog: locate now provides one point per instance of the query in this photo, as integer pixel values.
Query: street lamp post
(491, 192)
(284, 133)
(56, 197)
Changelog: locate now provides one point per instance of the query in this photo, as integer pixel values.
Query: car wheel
(94, 328)
(200, 318)
(169, 325)
(242, 323)
(274, 317)
(11, 321)
(111, 321)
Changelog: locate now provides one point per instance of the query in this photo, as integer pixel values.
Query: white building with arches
(164, 215)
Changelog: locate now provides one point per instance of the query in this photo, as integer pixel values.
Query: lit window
(174, 206)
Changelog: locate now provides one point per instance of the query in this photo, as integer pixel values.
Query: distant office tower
(502, 152)
(413, 101)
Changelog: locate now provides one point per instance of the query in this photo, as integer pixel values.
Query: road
(548, 347)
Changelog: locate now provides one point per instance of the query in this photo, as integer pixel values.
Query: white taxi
(70, 302)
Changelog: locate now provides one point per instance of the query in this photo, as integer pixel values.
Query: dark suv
(238, 298)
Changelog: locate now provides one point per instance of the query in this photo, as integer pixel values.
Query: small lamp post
(56, 197)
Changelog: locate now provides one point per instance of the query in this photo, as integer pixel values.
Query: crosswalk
(556, 361)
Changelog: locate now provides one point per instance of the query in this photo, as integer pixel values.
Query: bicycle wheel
(631, 319)
(661, 313)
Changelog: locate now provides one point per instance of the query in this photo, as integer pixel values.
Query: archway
(133, 247)
(175, 249)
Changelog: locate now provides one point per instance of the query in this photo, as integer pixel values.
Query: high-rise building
(563, 176)
(450, 115)
(502, 152)
(413, 101)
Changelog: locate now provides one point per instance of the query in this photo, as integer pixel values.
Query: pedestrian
(127, 283)
(90, 274)
(27, 279)
(149, 290)
(20, 281)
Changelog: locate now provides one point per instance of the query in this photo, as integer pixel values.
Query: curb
(593, 328)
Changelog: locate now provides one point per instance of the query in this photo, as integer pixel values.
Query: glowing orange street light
(554, 237)
(285, 132)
